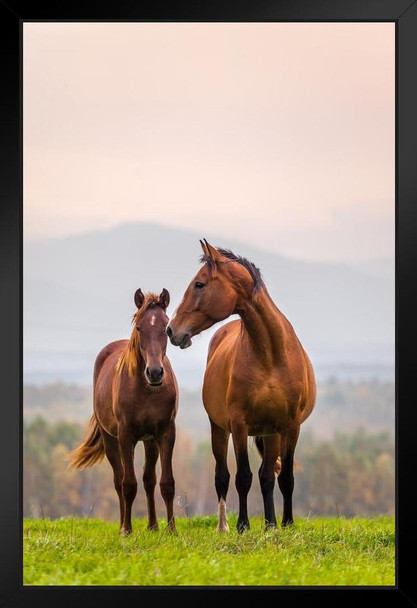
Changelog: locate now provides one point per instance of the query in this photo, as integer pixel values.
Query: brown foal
(258, 381)
(135, 399)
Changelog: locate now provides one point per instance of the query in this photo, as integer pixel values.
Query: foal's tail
(260, 445)
(91, 451)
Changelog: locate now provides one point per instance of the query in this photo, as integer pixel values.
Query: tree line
(351, 474)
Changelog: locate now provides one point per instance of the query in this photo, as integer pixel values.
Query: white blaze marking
(153, 319)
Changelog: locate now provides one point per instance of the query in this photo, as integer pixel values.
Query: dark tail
(91, 451)
(259, 442)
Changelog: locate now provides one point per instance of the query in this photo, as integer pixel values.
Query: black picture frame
(12, 16)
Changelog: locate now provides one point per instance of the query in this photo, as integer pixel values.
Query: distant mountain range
(78, 296)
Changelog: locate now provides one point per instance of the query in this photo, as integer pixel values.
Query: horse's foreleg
(267, 477)
(111, 446)
(219, 443)
(149, 480)
(243, 473)
(167, 483)
(129, 482)
(286, 476)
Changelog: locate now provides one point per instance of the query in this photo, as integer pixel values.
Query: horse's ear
(164, 299)
(139, 298)
(204, 248)
(212, 251)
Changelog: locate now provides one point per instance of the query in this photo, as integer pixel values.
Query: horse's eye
(199, 285)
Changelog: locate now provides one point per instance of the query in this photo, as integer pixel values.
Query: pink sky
(278, 134)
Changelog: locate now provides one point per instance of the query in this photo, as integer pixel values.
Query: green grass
(312, 552)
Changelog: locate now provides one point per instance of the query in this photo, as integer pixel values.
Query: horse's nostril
(147, 372)
(169, 332)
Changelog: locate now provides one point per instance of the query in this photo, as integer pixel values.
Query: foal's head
(218, 289)
(150, 324)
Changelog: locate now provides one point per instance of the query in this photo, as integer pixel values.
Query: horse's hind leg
(286, 476)
(129, 482)
(149, 480)
(267, 477)
(111, 446)
(167, 483)
(219, 443)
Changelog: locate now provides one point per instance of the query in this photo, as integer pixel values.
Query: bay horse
(135, 399)
(258, 381)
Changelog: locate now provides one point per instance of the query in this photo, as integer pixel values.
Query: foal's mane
(253, 270)
(129, 358)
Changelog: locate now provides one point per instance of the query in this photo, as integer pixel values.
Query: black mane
(253, 270)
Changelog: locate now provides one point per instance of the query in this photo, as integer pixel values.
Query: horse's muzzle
(182, 340)
(154, 375)
(185, 342)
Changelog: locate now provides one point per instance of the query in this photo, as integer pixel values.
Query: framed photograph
(208, 247)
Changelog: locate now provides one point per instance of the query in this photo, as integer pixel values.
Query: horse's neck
(265, 327)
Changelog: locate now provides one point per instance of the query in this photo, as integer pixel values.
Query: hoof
(124, 532)
(153, 527)
(285, 524)
(223, 528)
(242, 527)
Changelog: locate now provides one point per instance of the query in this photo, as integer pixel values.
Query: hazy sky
(274, 133)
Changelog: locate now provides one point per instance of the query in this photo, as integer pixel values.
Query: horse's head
(151, 322)
(213, 295)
